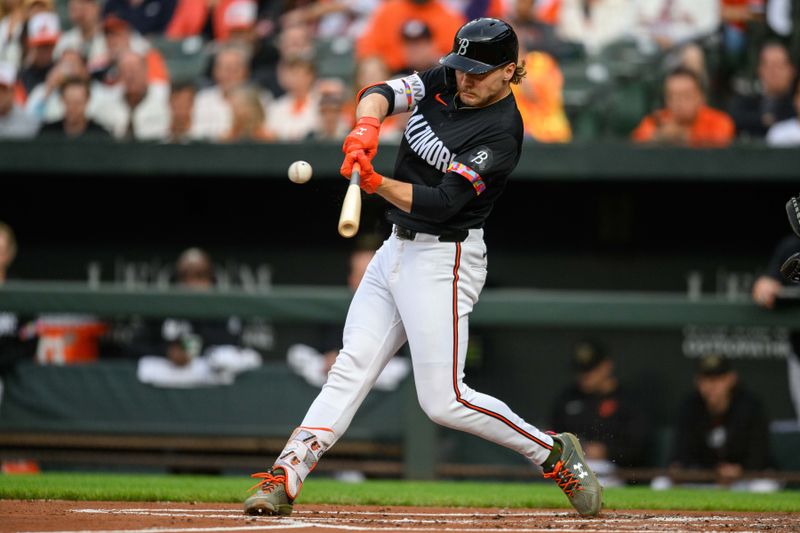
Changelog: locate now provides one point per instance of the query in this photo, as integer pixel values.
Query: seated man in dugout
(722, 428)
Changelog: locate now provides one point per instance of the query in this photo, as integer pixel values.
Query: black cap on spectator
(588, 355)
(713, 365)
(415, 29)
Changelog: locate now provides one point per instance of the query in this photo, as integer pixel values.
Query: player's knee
(438, 408)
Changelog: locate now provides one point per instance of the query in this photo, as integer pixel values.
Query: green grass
(70, 486)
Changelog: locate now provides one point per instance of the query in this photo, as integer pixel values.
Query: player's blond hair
(519, 73)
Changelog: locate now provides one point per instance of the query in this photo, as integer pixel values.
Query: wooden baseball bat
(351, 206)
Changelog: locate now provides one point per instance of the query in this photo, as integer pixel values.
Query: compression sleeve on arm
(444, 201)
(382, 89)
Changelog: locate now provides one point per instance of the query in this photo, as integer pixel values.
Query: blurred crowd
(686, 72)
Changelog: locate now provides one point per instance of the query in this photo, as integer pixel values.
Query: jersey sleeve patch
(466, 172)
(408, 91)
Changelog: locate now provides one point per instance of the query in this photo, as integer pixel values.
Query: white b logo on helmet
(462, 46)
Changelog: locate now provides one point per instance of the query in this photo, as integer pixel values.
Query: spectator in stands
(596, 23)
(75, 94)
(736, 15)
(669, 23)
(295, 115)
(721, 425)
(240, 25)
(148, 17)
(766, 291)
(546, 12)
(686, 120)
(135, 109)
(419, 48)
(86, 35)
(249, 117)
(333, 124)
(755, 114)
(536, 22)
(43, 32)
(192, 353)
(44, 102)
(12, 24)
(212, 116)
(540, 100)
(335, 18)
(121, 38)
(693, 57)
(610, 422)
(385, 28)
(296, 40)
(15, 122)
(471, 9)
(787, 132)
(207, 19)
(181, 106)
(779, 17)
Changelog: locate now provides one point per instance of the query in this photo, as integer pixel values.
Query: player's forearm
(397, 193)
(373, 105)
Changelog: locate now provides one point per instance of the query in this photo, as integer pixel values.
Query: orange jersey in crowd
(540, 102)
(157, 70)
(755, 5)
(711, 128)
(547, 11)
(383, 37)
(190, 18)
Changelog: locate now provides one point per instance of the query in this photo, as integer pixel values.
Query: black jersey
(458, 158)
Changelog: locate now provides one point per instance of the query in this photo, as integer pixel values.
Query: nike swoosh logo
(439, 99)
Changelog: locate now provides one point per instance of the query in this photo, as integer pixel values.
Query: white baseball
(300, 172)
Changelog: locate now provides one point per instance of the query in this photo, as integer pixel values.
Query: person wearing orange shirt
(540, 101)
(383, 34)
(686, 120)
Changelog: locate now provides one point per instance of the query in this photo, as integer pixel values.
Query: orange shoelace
(268, 481)
(564, 478)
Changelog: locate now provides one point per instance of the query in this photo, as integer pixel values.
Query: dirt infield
(70, 516)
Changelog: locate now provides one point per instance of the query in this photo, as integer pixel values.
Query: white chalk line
(365, 513)
(333, 514)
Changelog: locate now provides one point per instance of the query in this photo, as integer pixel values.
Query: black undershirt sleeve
(442, 202)
(384, 90)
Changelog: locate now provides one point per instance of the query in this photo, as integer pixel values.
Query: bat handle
(355, 176)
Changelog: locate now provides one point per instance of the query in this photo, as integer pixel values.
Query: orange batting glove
(370, 180)
(363, 137)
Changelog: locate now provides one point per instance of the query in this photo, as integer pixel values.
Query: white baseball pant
(421, 291)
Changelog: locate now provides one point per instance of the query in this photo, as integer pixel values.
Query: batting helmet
(482, 45)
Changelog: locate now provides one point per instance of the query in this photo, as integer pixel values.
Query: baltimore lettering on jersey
(424, 142)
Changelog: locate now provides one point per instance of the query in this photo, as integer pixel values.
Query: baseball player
(462, 141)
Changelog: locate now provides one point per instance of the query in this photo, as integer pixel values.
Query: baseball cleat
(271, 498)
(574, 477)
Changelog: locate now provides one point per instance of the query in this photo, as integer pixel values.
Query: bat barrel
(350, 216)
